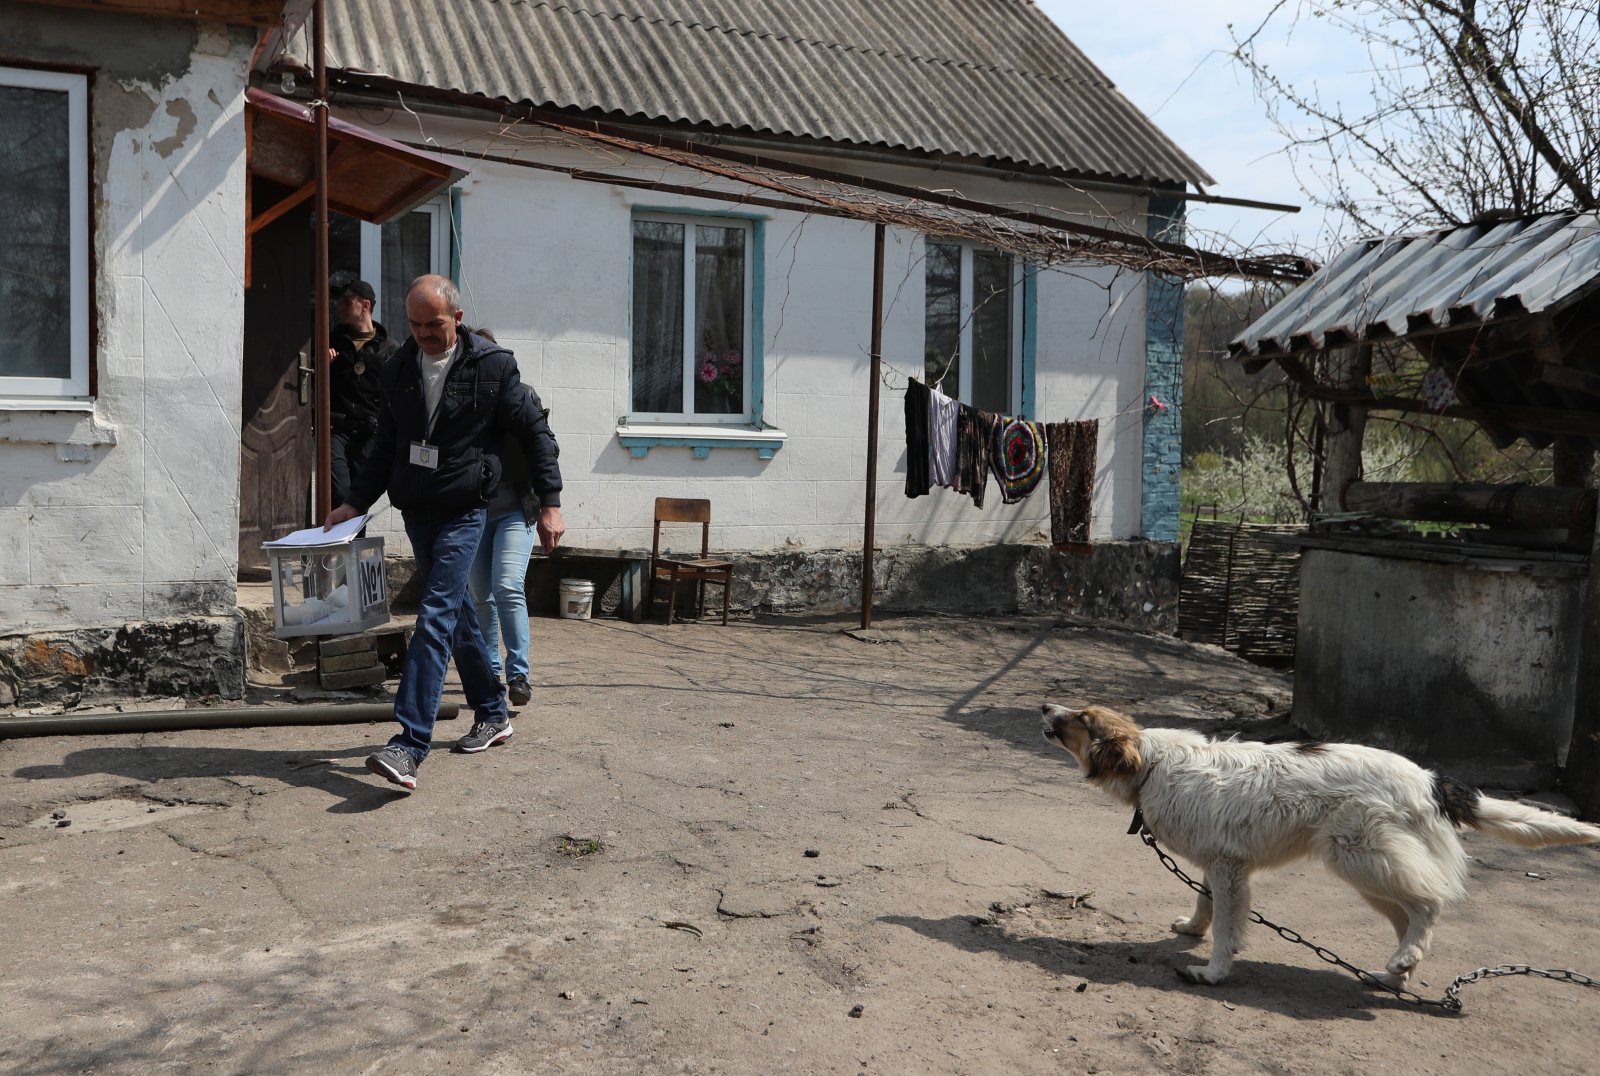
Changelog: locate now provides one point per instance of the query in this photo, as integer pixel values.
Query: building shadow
(341, 774)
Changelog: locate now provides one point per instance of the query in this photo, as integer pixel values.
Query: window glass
(691, 318)
(407, 254)
(657, 316)
(942, 340)
(991, 331)
(719, 320)
(970, 338)
(36, 271)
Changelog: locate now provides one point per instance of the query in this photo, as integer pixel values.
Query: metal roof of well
(1382, 289)
(991, 80)
(1505, 309)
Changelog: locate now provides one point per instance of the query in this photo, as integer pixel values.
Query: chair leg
(700, 600)
(672, 596)
(726, 583)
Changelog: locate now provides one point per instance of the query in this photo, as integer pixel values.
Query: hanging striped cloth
(1017, 456)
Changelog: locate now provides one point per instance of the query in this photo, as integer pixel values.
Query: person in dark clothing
(358, 349)
(448, 399)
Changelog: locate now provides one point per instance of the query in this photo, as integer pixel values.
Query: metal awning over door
(370, 177)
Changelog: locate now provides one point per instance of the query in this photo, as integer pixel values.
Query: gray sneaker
(484, 735)
(520, 691)
(395, 764)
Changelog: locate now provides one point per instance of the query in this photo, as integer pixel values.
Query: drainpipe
(242, 717)
(323, 420)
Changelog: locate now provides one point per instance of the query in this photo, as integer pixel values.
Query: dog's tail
(1516, 823)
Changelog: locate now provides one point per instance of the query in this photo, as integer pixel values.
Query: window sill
(53, 422)
(640, 438)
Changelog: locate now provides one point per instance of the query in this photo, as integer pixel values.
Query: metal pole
(322, 423)
(868, 544)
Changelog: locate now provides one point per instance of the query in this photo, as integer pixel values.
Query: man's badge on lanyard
(425, 455)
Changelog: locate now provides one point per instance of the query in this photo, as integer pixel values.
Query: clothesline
(956, 446)
(1138, 407)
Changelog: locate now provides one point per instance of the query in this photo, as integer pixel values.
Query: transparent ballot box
(323, 587)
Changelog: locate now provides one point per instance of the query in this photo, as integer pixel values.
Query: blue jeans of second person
(499, 583)
(445, 627)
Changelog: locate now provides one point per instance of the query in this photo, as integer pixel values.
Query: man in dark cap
(358, 349)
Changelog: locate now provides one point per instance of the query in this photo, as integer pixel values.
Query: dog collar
(1138, 820)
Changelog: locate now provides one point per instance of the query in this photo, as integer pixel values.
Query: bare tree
(1477, 109)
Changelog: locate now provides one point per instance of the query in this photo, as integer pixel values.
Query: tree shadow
(1295, 992)
(326, 771)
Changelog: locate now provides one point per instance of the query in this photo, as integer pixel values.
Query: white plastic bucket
(577, 598)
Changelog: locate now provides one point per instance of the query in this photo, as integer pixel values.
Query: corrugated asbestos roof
(1380, 289)
(1505, 309)
(994, 80)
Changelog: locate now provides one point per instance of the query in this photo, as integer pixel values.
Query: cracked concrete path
(771, 847)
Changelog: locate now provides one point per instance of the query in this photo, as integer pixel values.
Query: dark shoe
(484, 735)
(521, 693)
(395, 764)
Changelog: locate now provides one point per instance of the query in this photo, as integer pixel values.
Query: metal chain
(1450, 1002)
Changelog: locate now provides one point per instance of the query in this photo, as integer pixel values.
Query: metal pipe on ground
(241, 717)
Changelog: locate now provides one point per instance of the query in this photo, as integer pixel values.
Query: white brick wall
(546, 262)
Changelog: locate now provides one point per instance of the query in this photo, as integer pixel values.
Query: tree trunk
(1346, 426)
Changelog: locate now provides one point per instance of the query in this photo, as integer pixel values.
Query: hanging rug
(1018, 458)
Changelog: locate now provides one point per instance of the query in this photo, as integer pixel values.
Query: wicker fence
(1241, 590)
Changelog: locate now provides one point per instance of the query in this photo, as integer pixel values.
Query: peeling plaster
(181, 111)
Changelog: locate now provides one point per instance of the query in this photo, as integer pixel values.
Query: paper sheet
(317, 536)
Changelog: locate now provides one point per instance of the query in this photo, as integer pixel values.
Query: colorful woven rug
(1017, 458)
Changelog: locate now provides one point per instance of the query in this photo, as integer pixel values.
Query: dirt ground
(771, 847)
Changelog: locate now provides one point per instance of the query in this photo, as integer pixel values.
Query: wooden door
(276, 455)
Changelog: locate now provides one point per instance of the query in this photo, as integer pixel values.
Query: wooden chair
(699, 570)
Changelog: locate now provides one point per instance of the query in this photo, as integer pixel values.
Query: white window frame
(689, 220)
(964, 338)
(29, 392)
(438, 211)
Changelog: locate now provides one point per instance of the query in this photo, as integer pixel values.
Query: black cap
(344, 282)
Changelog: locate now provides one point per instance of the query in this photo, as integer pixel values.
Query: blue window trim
(765, 439)
(640, 439)
(1030, 338)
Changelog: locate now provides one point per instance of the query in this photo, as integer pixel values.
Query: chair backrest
(682, 510)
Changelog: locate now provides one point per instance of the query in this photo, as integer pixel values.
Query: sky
(1171, 59)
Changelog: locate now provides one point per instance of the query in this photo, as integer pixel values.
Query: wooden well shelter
(1478, 650)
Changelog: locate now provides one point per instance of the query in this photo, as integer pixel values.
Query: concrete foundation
(1133, 582)
(191, 659)
(1468, 666)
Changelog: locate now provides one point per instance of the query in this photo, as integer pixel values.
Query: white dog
(1379, 821)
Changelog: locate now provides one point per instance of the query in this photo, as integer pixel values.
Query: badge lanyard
(422, 453)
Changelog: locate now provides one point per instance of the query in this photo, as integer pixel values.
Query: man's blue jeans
(445, 626)
(499, 590)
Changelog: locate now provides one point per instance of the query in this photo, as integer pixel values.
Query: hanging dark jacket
(483, 400)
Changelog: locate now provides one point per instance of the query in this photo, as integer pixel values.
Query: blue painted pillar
(1163, 380)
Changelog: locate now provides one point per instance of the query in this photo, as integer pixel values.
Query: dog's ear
(1113, 744)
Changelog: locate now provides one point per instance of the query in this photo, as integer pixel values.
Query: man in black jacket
(448, 399)
(359, 347)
